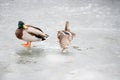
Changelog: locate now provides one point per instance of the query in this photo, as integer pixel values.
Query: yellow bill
(25, 27)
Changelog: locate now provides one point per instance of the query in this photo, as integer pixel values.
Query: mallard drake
(65, 37)
(29, 34)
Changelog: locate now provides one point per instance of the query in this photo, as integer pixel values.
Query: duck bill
(25, 27)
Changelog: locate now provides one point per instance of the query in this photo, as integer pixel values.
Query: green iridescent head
(20, 24)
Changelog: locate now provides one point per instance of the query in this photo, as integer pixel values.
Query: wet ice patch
(77, 48)
(29, 56)
(23, 60)
(30, 52)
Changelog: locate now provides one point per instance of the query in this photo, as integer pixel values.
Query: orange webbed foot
(27, 45)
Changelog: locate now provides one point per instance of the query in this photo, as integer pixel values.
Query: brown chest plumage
(19, 33)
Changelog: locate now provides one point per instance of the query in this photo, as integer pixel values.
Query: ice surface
(93, 55)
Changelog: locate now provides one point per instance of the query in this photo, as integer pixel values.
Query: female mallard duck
(65, 36)
(29, 33)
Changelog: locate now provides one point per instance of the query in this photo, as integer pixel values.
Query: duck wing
(37, 32)
(35, 28)
(73, 34)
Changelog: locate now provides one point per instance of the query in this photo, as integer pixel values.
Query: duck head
(21, 25)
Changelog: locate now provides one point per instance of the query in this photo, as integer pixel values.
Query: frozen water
(93, 55)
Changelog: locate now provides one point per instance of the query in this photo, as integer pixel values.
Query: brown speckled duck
(29, 34)
(65, 37)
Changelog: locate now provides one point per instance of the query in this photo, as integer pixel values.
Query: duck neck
(67, 26)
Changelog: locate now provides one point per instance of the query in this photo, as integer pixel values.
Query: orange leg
(27, 45)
